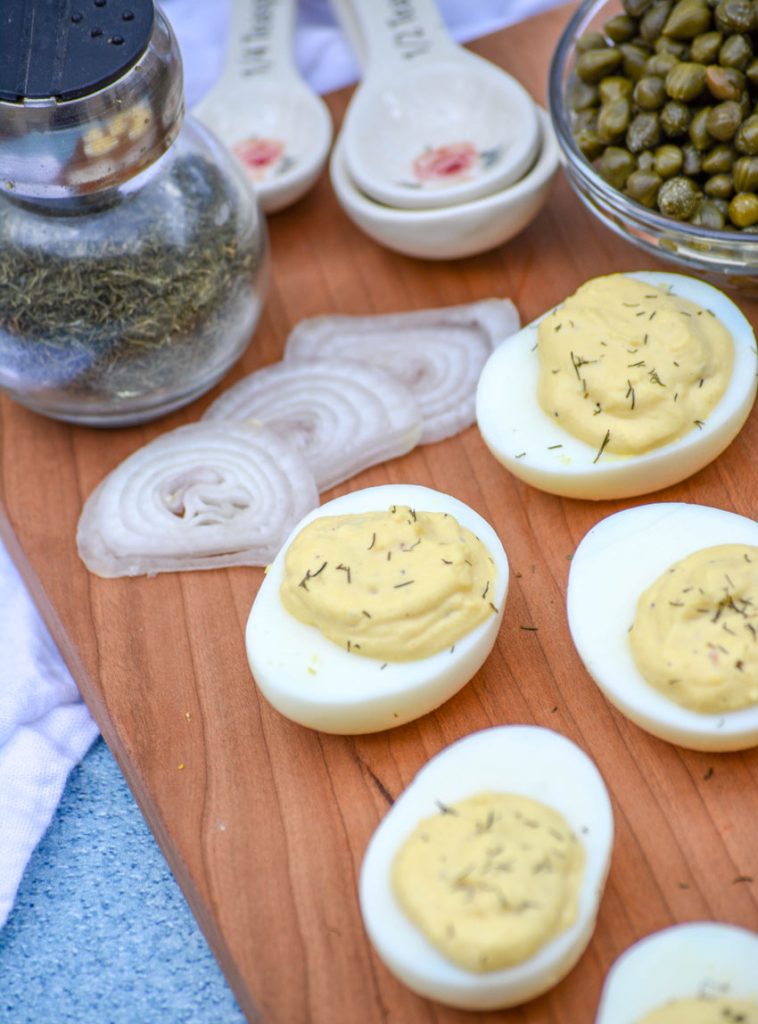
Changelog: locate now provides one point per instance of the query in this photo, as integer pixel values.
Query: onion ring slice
(341, 415)
(437, 353)
(203, 496)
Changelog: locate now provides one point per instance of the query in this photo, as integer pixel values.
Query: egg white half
(536, 449)
(702, 958)
(313, 681)
(614, 563)
(523, 759)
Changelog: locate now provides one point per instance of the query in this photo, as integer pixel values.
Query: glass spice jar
(133, 255)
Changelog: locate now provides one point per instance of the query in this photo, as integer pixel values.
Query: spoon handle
(394, 33)
(260, 40)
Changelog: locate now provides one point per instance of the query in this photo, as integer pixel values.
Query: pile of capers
(664, 103)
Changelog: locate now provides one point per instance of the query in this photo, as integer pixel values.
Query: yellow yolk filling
(695, 632)
(490, 879)
(705, 1011)
(396, 585)
(626, 367)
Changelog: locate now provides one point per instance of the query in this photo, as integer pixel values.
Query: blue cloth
(100, 932)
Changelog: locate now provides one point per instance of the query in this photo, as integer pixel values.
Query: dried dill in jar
(132, 258)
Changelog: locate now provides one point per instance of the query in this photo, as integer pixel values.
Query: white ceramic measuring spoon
(431, 124)
(263, 109)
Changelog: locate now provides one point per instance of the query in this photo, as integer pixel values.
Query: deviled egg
(519, 913)
(704, 971)
(615, 564)
(632, 384)
(380, 606)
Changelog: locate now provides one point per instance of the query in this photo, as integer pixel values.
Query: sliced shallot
(204, 496)
(341, 415)
(437, 353)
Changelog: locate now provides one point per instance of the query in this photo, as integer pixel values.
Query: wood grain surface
(264, 823)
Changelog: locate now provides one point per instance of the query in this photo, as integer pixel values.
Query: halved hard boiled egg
(531, 442)
(527, 761)
(328, 684)
(712, 964)
(616, 561)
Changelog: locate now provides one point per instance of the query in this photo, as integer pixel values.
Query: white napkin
(322, 54)
(45, 729)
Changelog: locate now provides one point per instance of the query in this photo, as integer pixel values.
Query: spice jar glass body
(118, 310)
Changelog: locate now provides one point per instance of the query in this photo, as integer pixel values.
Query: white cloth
(321, 52)
(45, 729)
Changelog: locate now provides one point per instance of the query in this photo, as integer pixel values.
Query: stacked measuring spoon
(441, 153)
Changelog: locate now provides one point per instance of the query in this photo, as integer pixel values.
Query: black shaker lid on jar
(90, 94)
(69, 48)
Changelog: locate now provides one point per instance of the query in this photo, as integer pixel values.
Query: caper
(720, 186)
(650, 93)
(693, 160)
(736, 52)
(585, 120)
(621, 28)
(613, 120)
(615, 165)
(596, 64)
(643, 186)
(705, 48)
(633, 60)
(746, 139)
(688, 19)
(724, 83)
(668, 160)
(660, 64)
(678, 197)
(735, 15)
(646, 160)
(745, 174)
(636, 8)
(723, 120)
(589, 142)
(675, 118)
(743, 210)
(699, 135)
(581, 95)
(613, 88)
(591, 41)
(685, 81)
(751, 73)
(708, 215)
(644, 132)
(719, 159)
(673, 47)
(722, 205)
(653, 20)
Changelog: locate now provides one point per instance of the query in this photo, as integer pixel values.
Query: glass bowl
(729, 259)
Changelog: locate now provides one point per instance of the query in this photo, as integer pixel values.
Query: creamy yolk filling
(626, 366)
(703, 1010)
(695, 632)
(491, 879)
(396, 585)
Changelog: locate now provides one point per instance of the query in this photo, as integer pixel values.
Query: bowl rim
(611, 199)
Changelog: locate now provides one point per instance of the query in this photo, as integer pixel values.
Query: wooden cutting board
(263, 822)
